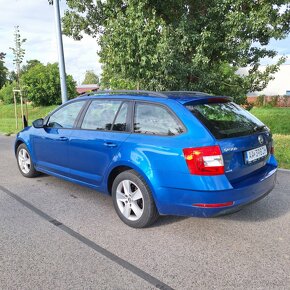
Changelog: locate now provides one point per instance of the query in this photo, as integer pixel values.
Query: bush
(6, 93)
(42, 85)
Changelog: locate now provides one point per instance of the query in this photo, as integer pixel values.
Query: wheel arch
(113, 174)
(17, 144)
(117, 169)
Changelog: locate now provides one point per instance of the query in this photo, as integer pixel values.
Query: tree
(18, 52)
(6, 92)
(3, 70)
(12, 76)
(42, 84)
(90, 78)
(182, 44)
(29, 64)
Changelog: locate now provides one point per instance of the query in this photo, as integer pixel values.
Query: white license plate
(255, 154)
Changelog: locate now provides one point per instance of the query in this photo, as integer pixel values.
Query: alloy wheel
(130, 200)
(24, 161)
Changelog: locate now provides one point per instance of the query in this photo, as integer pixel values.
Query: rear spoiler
(213, 99)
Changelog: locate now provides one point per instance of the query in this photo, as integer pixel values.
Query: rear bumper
(181, 201)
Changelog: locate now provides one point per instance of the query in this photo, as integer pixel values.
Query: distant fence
(275, 101)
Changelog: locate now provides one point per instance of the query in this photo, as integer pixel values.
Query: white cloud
(36, 22)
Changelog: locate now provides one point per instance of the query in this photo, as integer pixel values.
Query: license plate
(255, 154)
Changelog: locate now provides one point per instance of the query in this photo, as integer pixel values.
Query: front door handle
(63, 139)
(110, 144)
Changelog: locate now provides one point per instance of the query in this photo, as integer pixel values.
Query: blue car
(170, 153)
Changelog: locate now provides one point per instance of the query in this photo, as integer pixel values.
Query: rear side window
(226, 120)
(101, 114)
(156, 120)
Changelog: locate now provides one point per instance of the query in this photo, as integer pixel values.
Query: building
(81, 89)
(280, 85)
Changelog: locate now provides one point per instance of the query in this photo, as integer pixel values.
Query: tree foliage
(182, 44)
(90, 78)
(41, 84)
(6, 92)
(12, 76)
(3, 70)
(29, 64)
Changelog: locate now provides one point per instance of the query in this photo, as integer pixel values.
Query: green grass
(7, 119)
(282, 150)
(277, 119)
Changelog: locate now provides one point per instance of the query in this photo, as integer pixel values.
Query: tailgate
(245, 155)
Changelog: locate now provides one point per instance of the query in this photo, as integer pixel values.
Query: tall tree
(18, 52)
(182, 44)
(90, 78)
(3, 70)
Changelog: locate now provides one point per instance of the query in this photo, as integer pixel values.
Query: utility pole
(60, 51)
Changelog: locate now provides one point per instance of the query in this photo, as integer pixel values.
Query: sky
(36, 22)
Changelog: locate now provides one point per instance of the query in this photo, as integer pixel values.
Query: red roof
(81, 89)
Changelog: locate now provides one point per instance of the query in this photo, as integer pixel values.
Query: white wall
(278, 86)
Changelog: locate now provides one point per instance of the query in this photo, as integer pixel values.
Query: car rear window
(226, 119)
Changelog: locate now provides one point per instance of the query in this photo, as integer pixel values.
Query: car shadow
(270, 207)
(167, 220)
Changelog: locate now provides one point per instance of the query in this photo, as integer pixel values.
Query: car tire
(133, 200)
(24, 162)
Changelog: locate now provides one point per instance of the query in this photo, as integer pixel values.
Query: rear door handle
(63, 139)
(110, 144)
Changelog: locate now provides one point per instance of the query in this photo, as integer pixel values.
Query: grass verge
(282, 150)
(277, 119)
(7, 119)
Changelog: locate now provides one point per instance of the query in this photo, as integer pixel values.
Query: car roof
(182, 97)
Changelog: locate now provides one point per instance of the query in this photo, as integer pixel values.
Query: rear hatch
(244, 140)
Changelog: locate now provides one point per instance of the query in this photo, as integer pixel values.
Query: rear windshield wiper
(260, 128)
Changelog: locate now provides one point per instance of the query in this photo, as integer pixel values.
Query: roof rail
(185, 92)
(127, 92)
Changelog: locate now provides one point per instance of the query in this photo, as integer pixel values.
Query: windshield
(225, 120)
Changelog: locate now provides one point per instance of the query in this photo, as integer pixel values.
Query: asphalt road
(57, 235)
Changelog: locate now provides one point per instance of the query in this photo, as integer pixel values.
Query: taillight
(272, 150)
(204, 160)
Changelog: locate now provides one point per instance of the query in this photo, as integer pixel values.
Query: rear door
(244, 140)
(105, 126)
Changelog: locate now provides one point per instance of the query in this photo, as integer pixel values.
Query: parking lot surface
(58, 235)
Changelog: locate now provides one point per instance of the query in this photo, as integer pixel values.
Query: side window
(121, 119)
(156, 120)
(66, 116)
(101, 114)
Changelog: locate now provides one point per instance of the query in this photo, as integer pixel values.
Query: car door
(97, 141)
(51, 143)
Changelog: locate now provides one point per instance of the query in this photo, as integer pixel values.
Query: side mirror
(38, 123)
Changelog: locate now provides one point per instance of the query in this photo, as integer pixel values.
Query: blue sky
(36, 21)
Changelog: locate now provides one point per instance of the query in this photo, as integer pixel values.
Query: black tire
(29, 171)
(149, 211)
